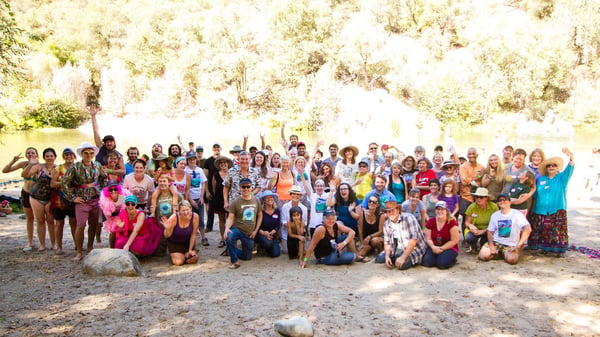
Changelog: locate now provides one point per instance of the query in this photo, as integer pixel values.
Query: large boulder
(294, 327)
(107, 261)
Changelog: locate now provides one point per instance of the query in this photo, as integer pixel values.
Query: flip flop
(234, 266)
(27, 249)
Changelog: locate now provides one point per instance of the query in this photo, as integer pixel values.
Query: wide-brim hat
(236, 149)
(296, 189)
(391, 204)
(162, 156)
(481, 192)
(268, 193)
(447, 163)
(86, 145)
(353, 148)
(221, 159)
(558, 161)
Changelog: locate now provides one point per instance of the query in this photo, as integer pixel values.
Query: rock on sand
(294, 327)
(106, 261)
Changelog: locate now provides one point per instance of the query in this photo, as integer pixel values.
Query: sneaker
(205, 242)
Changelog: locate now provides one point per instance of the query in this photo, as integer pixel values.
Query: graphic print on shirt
(504, 228)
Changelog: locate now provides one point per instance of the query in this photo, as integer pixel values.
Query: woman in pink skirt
(135, 232)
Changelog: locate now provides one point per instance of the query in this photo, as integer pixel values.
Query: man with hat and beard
(81, 185)
(106, 144)
(403, 239)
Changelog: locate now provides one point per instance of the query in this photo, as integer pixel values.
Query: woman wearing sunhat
(267, 237)
(347, 168)
(549, 222)
(82, 184)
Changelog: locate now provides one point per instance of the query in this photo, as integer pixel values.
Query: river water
(143, 133)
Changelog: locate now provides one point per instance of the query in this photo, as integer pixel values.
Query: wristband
(306, 259)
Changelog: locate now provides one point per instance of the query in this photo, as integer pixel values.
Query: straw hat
(554, 160)
(353, 148)
(221, 159)
(481, 192)
(86, 145)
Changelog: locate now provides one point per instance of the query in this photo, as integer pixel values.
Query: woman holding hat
(82, 184)
(347, 168)
(134, 232)
(223, 165)
(441, 235)
(270, 224)
(549, 221)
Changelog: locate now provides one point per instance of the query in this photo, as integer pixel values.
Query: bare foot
(78, 258)
(41, 248)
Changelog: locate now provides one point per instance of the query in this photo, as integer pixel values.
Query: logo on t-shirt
(504, 228)
(248, 213)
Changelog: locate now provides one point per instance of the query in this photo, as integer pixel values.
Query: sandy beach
(44, 294)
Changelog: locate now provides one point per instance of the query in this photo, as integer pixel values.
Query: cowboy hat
(481, 192)
(86, 145)
(162, 156)
(221, 159)
(551, 161)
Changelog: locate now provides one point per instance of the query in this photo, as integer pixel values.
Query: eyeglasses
(343, 188)
(373, 148)
(88, 153)
(372, 201)
(245, 186)
(113, 190)
(130, 203)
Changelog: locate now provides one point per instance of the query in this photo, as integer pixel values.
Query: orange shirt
(469, 173)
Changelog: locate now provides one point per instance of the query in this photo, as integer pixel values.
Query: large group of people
(401, 210)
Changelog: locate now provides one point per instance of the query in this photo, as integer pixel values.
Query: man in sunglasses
(243, 222)
(507, 233)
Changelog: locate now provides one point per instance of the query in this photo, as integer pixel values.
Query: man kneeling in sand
(507, 232)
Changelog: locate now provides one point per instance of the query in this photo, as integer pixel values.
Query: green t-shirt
(246, 212)
(481, 217)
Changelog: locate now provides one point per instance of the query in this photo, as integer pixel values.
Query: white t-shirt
(142, 190)
(285, 217)
(197, 178)
(507, 227)
(317, 208)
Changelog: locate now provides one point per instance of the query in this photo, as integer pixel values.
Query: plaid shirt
(232, 180)
(398, 234)
(83, 182)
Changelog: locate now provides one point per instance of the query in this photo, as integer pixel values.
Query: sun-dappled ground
(46, 294)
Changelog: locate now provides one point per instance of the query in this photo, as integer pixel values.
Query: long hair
(499, 168)
(339, 201)
(263, 166)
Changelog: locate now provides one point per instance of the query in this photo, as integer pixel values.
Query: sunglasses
(502, 199)
(113, 190)
(551, 165)
(372, 202)
(88, 153)
(480, 197)
(295, 194)
(245, 186)
(130, 203)
(373, 148)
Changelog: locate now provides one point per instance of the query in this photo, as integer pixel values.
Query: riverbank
(47, 295)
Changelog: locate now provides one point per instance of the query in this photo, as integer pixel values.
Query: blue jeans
(380, 258)
(200, 212)
(472, 239)
(444, 260)
(271, 246)
(234, 252)
(335, 259)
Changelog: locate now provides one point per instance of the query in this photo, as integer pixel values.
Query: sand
(44, 294)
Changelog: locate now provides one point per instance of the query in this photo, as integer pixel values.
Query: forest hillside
(456, 62)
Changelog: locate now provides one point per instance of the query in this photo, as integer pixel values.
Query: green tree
(11, 47)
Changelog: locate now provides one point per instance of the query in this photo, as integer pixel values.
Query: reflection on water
(143, 133)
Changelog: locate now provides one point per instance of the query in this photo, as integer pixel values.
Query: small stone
(294, 327)
(107, 261)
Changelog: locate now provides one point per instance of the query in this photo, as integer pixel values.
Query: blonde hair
(450, 182)
(499, 168)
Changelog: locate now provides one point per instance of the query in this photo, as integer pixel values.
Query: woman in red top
(422, 177)
(441, 235)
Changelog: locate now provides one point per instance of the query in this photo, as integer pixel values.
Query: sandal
(221, 244)
(225, 253)
(363, 259)
(234, 266)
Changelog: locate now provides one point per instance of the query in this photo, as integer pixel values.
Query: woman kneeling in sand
(180, 232)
